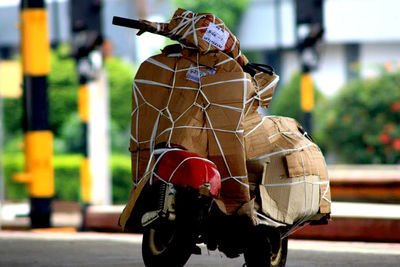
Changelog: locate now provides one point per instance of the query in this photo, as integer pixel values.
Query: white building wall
(374, 55)
(267, 24)
(290, 65)
(361, 20)
(331, 73)
(373, 24)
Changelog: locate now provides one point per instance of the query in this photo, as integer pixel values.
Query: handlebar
(129, 23)
(142, 25)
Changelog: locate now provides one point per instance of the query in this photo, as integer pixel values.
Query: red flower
(384, 138)
(396, 144)
(396, 106)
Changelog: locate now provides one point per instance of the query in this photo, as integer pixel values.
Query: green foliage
(71, 134)
(286, 102)
(66, 173)
(121, 178)
(229, 11)
(67, 177)
(63, 96)
(254, 56)
(63, 89)
(363, 120)
(120, 76)
(12, 163)
(12, 116)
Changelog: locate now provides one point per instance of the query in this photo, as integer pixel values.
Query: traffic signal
(85, 26)
(309, 26)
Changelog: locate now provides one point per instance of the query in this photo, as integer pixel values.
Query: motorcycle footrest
(150, 217)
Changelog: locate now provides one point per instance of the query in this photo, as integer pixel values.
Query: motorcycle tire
(170, 243)
(259, 252)
(279, 259)
(166, 245)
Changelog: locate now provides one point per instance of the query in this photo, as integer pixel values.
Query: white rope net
(196, 95)
(178, 100)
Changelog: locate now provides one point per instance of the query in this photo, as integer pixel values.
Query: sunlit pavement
(18, 248)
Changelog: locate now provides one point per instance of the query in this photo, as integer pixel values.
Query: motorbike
(176, 212)
(177, 207)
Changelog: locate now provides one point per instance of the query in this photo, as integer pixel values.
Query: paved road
(99, 249)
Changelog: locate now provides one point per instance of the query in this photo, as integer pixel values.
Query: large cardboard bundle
(197, 95)
(196, 101)
(289, 170)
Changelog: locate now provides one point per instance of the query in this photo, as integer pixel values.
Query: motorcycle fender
(184, 168)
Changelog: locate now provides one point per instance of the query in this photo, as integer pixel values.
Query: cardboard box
(294, 185)
(196, 101)
(206, 32)
(196, 95)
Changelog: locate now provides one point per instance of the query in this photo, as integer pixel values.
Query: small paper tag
(194, 74)
(216, 36)
(210, 70)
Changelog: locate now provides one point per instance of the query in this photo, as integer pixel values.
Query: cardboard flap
(265, 86)
(294, 164)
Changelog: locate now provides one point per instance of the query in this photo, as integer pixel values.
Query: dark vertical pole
(86, 31)
(309, 25)
(56, 24)
(2, 184)
(307, 99)
(85, 173)
(352, 52)
(35, 50)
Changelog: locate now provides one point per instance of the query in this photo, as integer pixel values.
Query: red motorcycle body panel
(185, 168)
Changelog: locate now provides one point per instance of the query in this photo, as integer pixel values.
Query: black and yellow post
(85, 173)
(39, 173)
(307, 99)
(86, 34)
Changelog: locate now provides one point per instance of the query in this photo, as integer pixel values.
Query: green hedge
(66, 172)
(63, 112)
(362, 120)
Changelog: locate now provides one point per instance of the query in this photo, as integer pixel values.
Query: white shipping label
(216, 36)
(194, 74)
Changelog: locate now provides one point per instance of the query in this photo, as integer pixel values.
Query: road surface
(101, 249)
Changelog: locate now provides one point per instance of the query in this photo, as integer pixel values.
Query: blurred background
(349, 48)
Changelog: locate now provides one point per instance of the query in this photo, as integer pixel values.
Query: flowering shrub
(362, 123)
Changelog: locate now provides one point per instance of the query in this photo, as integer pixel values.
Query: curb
(374, 226)
(353, 229)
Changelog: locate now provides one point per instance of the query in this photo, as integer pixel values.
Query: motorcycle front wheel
(166, 245)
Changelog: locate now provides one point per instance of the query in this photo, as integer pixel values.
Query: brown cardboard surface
(189, 29)
(265, 86)
(293, 202)
(202, 100)
(203, 113)
(256, 136)
(294, 170)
